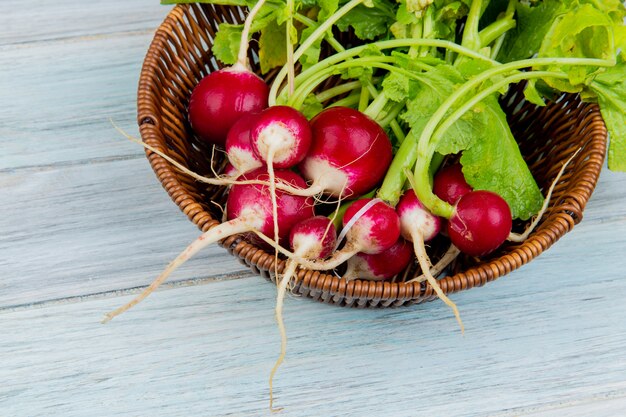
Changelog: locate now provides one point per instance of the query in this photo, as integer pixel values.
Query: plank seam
(242, 274)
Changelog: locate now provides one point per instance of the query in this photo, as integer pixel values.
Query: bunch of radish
(394, 188)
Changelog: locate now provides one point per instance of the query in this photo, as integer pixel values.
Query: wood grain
(33, 21)
(63, 96)
(536, 341)
(89, 228)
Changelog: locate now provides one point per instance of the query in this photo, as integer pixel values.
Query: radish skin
(349, 151)
(380, 266)
(449, 184)
(374, 231)
(480, 223)
(238, 146)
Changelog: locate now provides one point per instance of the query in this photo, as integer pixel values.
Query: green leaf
(493, 162)
(311, 55)
(610, 88)
(584, 32)
(311, 106)
(327, 8)
(226, 43)
(396, 87)
(533, 22)
(532, 95)
(425, 98)
(272, 46)
(368, 22)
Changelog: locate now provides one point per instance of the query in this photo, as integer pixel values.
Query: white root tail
(222, 231)
(515, 237)
(337, 259)
(441, 264)
(272, 178)
(424, 262)
(281, 185)
(290, 269)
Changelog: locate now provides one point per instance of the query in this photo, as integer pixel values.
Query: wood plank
(548, 335)
(91, 228)
(62, 96)
(40, 20)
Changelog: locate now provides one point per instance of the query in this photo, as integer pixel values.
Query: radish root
(424, 262)
(222, 231)
(445, 260)
(282, 289)
(221, 180)
(272, 179)
(515, 237)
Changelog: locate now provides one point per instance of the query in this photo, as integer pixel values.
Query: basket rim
(330, 288)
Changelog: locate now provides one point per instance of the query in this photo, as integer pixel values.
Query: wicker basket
(177, 60)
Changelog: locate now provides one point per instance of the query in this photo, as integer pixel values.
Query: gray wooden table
(84, 224)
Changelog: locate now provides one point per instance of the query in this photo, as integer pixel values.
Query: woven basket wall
(177, 59)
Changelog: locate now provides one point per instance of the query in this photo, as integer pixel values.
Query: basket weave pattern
(177, 59)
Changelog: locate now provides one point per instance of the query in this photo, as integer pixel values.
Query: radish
(480, 223)
(238, 146)
(223, 96)
(248, 209)
(350, 151)
(313, 238)
(449, 184)
(369, 225)
(419, 225)
(281, 137)
(380, 266)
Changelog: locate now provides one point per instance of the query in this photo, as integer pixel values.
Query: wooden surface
(84, 222)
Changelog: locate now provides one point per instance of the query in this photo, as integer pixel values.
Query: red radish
(375, 230)
(415, 218)
(382, 265)
(313, 238)
(480, 223)
(370, 226)
(238, 146)
(221, 98)
(281, 134)
(253, 200)
(248, 209)
(225, 95)
(419, 225)
(281, 137)
(350, 152)
(449, 184)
